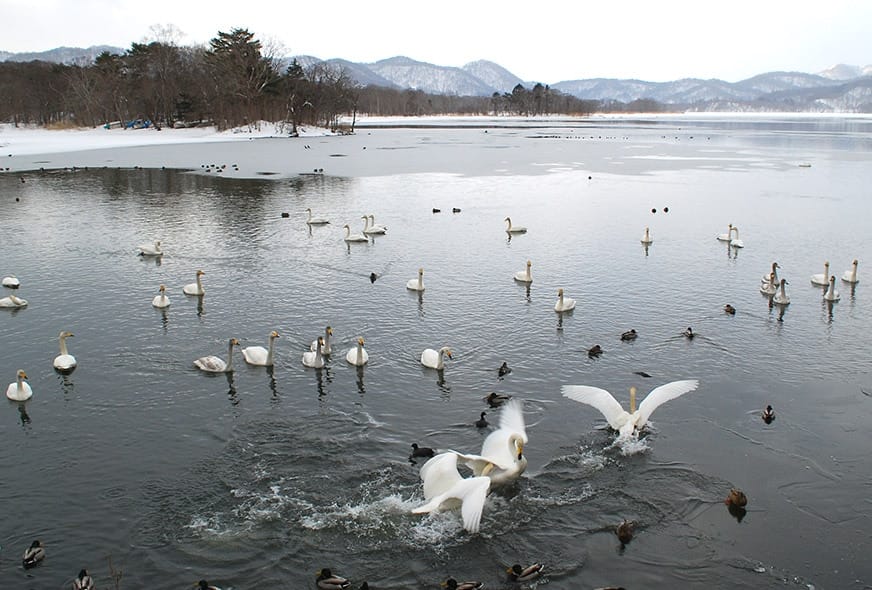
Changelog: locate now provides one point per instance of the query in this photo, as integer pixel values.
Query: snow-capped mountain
(494, 75)
(64, 55)
(417, 75)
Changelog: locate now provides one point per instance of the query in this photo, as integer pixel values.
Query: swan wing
(661, 395)
(471, 493)
(210, 363)
(439, 474)
(600, 399)
(255, 355)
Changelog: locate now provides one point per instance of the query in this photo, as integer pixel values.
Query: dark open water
(259, 479)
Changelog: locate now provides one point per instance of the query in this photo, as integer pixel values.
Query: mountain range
(841, 88)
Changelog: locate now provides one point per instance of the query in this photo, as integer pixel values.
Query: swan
(350, 237)
(832, 294)
(502, 452)
(524, 276)
(161, 301)
(260, 356)
(83, 581)
(326, 349)
(326, 580)
(774, 271)
(514, 229)
(822, 279)
(727, 236)
(213, 364)
(33, 554)
(444, 487)
(64, 362)
(770, 286)
(370, 227)
(19, 391)
(150, 249)
(647, 238)
(781, 297)
(357, 356)
(195, 288)
(13, 302)
(314, 359)
(416, 284)
(315, 220)
(563, 303)
(850, 276)
(628, 424)
(736, 242)
(12, 282)
(433, 359)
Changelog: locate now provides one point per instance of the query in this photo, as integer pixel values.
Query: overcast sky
(537, 41)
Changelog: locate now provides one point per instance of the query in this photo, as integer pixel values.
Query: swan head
(856, 262)
(274, 334)
(560, 292)
(65, 334)
(420, 271)
(320, 341)
(360, 341)
(200, 273)
(328, 330)
(518, 442)
(234, 342)
(446, 351)
(21, 374)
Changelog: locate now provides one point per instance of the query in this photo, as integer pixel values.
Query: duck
(822, 279)
(517, 573)
(495, 400)
(452, 584)
(326, 348)
(514, 229)
(421, 452)
(357, 356)
(455, 209)
(781, 298)
(729, 309)
(482, 421)
(350, 237)
(445, 489)
(628, 424)
(832, 294)
(629, 335)
(503, 370)
(594, 351)
(775, 267)
(770, 286)
(11, 282)
(314, 359)
(736, 242)
(150, 249)
(850, 276)
(260, 356)
(19, 391)
(502, 456)
(647, 238)
(434, 359)
(13, 302)
(524, 276)
(727, 236)
(312, 220)
(563, 303)
(374, 228)
(624, 531)
(161, 301)
(83, 581)
(214, 364)
(736, 499)
(416, 284)
(689, 333)
(195, 288)
(326, 580)
(33, 554)
(768, 415)
(64, 362)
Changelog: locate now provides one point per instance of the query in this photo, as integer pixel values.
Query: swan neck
(270, 353)
(64, 345)
(230, 356)
(359, 353)
(632, 400)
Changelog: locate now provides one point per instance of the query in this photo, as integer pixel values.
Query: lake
(139, 464)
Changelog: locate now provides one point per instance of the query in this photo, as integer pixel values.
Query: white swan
(524, 276)
(313, 358)
(372, 229)
(563, 303)
(770, 286)
(326, 349)
(781, 297)
(357, 356)
(315, 220)
(774, 271)
(850, 276)
(727, 236)
(213, 364)
(161, 301)
(11, 282)
(350, 237)
(376, 226)
(514, 229)
(19, 391)
(64, 361)
(832, 294)
(628, 424)
(416, 284)
(822, 279)
(150, 249)
(445, 488)
(736, 242)
(502, 452)
(13, 302)
(433, 359)
(195, 288)
(647, 238)
(260, 356)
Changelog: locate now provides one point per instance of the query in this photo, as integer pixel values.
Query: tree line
(233, 81)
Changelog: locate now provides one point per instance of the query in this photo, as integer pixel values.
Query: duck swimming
(33, 555)
(503, 370)
(327, 581)
(495, 400)
(729, 309)
(482, 422)
(624, 531)
(768, 415)
(689, 333)
(737, 498)
(452, 584)
(83, 581)
(629, 335)
(421, 452)
(594, 351)
(525, 574)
